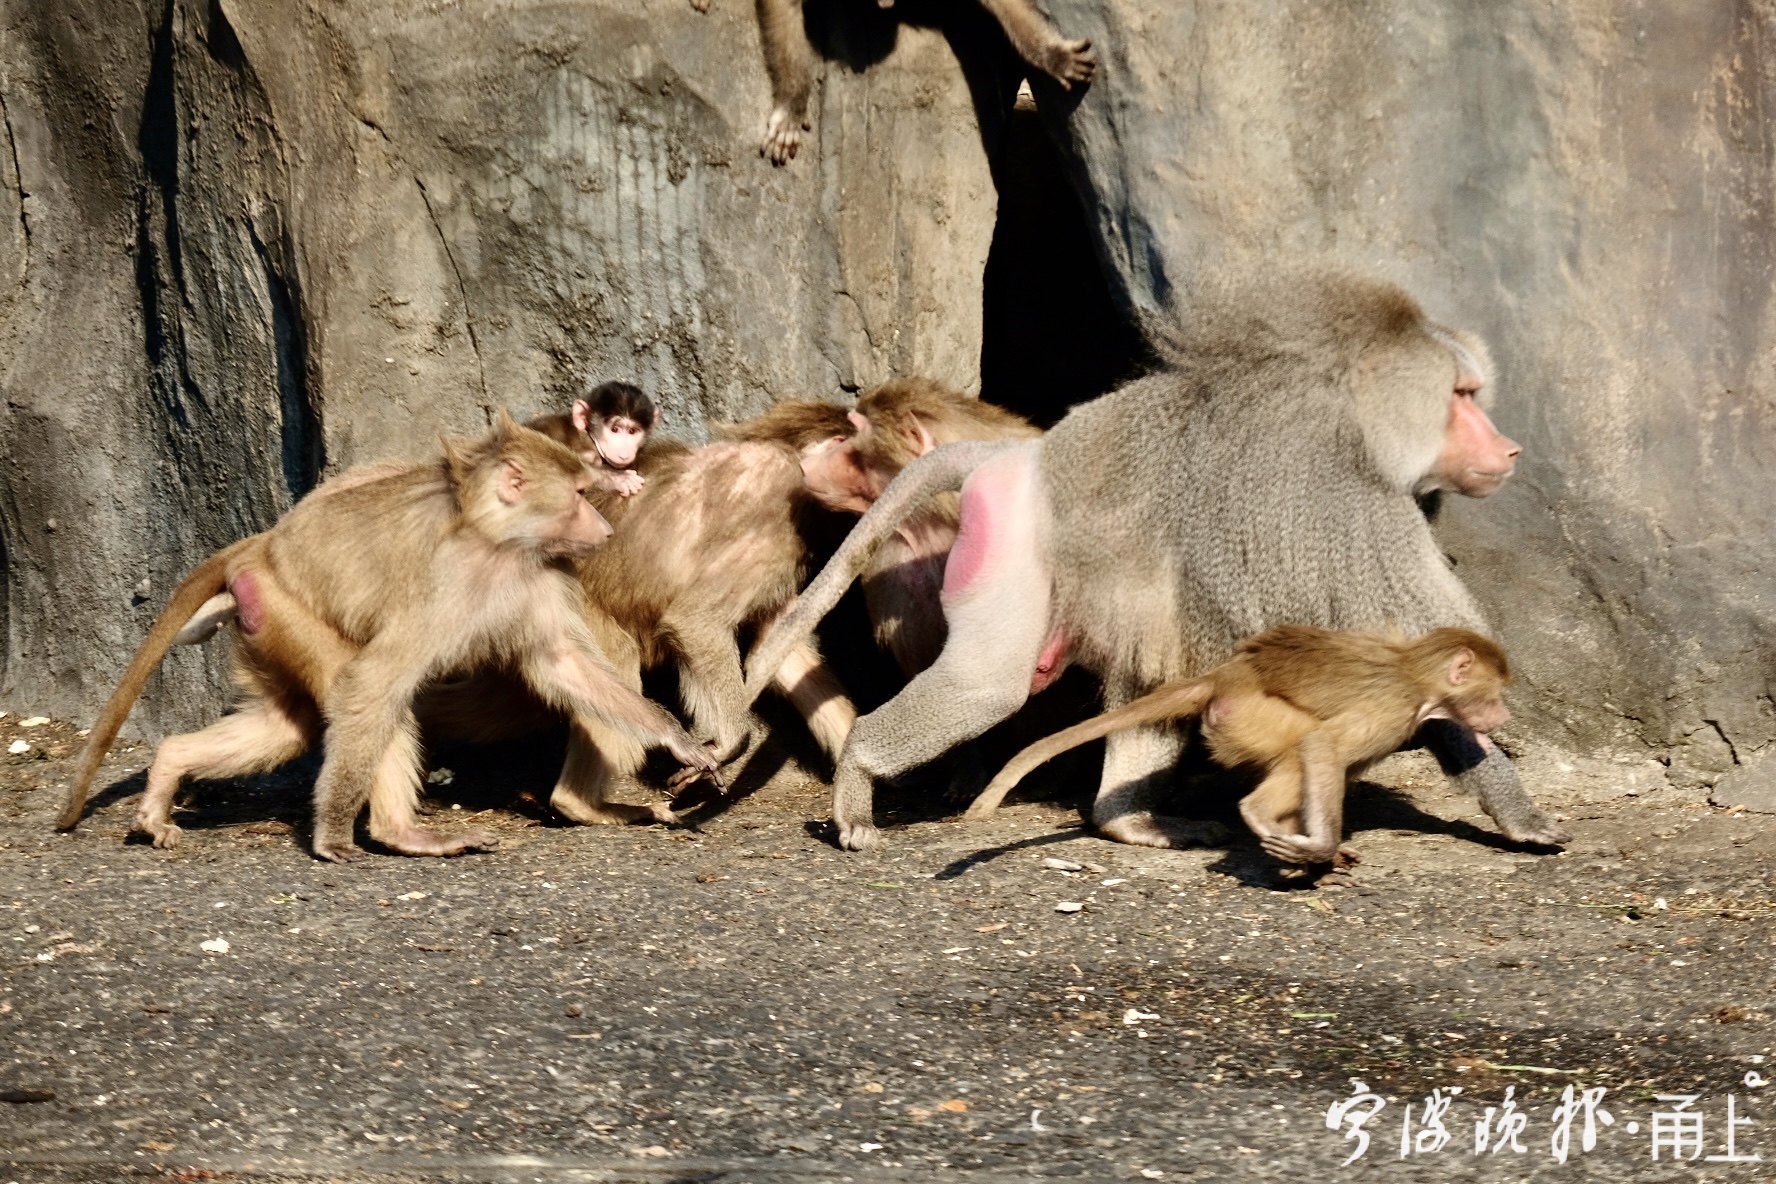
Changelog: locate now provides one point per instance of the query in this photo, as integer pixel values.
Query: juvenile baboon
(1268, 471)
(607, 429)
(353, 600)
(1306, 708)
(789, 60)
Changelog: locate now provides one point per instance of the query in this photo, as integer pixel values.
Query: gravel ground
(736, 1000)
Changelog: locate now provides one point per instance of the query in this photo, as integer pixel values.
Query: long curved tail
(1173, 701)
(939, 471)
(204, 582)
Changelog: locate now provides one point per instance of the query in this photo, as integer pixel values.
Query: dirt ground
(736, 1000)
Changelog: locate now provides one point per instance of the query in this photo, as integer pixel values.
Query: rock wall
(245, 244)
(1590, 186)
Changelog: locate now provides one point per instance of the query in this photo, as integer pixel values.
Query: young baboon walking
(1307, 708)
(357, 598)
(1268, 471)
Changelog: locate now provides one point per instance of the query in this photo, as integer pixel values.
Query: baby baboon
(1267, 472)
(1307, 707)
(607, 429)
(789, 60)
(355, 599)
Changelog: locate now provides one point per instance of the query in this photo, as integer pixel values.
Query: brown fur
(717, 541)
(355, 599)
(1306, 707)
(799, 425)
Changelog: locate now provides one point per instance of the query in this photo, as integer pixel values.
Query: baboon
(718, 540)
(893, 425)
(1307, 708)
(607, 429)
(789, 61)
(617, 410)
(1267, 471)
(353, 600)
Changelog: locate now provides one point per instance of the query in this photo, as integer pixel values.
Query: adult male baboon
(1267, 472)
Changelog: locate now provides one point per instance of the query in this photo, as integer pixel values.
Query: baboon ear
(454, 460)
(582, 415)
(1460, 666)
(511, 482)
(860, 421)
(917, 435)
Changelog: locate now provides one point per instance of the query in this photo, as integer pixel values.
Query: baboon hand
(1069, 63)
(1297, 849)
(783, 135)
(625, 482)
(700, 5)
(699, 761)
(856, 836)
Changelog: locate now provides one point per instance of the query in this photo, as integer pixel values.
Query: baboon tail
(1173, 701)
(939, 471)
(205, 581)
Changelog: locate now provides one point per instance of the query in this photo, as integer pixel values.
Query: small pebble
(1068, 906)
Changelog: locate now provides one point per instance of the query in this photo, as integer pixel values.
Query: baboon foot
(1068, 63)
(337, 851)
(159, 829)
(783, 135)
(608, 813)
(1534, 827)
(856, 836)
(1162, 830)
(417, 841)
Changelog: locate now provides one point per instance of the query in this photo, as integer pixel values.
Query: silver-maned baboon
(1267, 472)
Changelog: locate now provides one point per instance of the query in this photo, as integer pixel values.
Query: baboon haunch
(1306, 708)
(1267, 471)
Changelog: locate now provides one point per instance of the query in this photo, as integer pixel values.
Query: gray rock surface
(242, 245)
